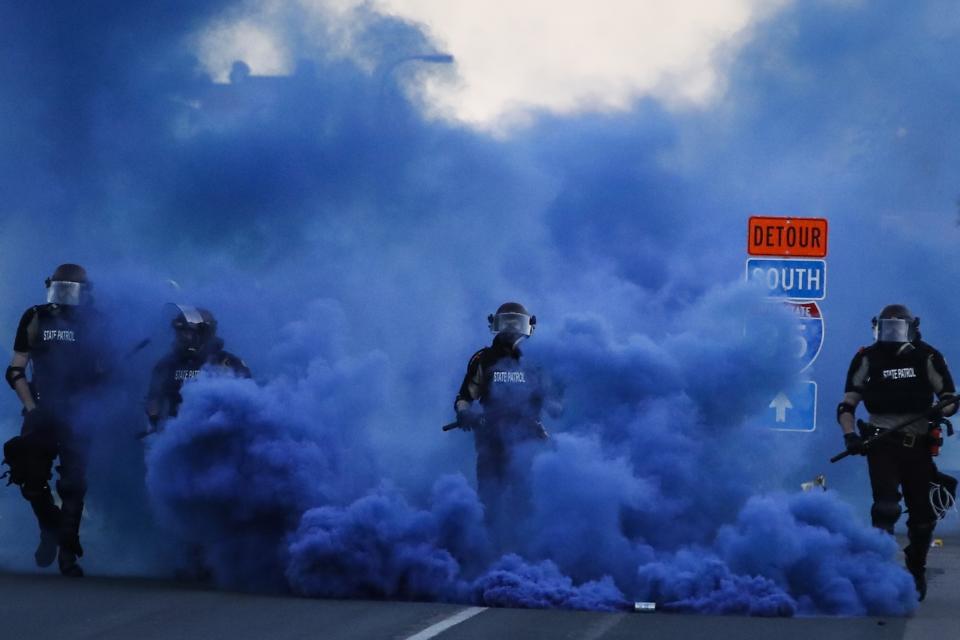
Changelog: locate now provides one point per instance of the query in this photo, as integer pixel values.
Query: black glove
(465, 419)
(854, 444)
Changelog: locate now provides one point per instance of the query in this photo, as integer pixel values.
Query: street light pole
(428, 58)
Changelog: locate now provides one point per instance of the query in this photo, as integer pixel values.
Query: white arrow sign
(781, 403)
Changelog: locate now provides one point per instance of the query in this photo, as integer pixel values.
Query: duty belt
(904, 439)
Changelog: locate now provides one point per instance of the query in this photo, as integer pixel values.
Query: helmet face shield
(189, 326)
(893, 330)
(518, 323)
(896, 323)
(65, 292)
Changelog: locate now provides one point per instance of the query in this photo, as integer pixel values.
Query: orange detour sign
(790, 237)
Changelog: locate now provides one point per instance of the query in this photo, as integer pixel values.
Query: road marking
(600, 629)
(438, 628)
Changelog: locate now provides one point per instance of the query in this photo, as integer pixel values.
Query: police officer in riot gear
(196, 345)
(511, 397)
(896, 379)
(60, 341)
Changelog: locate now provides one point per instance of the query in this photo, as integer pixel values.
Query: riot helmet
(68, 285)
(895, 324)
(512, 318)
(194, 328)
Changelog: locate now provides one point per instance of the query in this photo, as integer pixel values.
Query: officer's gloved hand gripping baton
(933, 412)
(466, 423)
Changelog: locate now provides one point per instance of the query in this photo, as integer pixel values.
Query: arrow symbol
(781, 403)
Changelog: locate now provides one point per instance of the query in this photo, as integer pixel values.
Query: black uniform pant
(895, 468)
(498, 445)
(50, 435)
(493, 464)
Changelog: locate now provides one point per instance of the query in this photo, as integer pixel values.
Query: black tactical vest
(511, 389)
(180, 367)
(897, 383)
(176, 371)
(63, 353)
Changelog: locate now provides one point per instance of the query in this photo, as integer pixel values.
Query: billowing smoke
(351, 249)
(802, 553)
(642, 493)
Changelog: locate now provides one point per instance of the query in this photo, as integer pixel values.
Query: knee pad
(885, 514)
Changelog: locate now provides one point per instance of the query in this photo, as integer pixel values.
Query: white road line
(598, 630)
(438, 628)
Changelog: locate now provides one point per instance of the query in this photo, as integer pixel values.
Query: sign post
(792, 268)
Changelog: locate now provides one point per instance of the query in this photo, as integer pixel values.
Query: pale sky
(518, 56)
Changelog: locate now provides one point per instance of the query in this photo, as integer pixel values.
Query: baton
(932, 411)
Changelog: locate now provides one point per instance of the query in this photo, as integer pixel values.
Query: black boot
(46, 551)
(68, 564)
(915, 554)
(70, 549)
(48, 516)
(71, 511)
(917, 566)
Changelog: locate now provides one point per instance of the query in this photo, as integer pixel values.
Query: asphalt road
(41, 606)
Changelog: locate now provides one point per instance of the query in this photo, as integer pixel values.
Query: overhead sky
(514, 58)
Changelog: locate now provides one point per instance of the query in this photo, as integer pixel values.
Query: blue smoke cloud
(511, 582)
(232, 474)
(786, 554)
(695, 580)
(351, 249)
(245, 479)
(378, 547)
(813, 547)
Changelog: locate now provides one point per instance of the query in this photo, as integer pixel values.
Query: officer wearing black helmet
(196, 346)
(896, 378)
(511, 397)
(62, 341)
